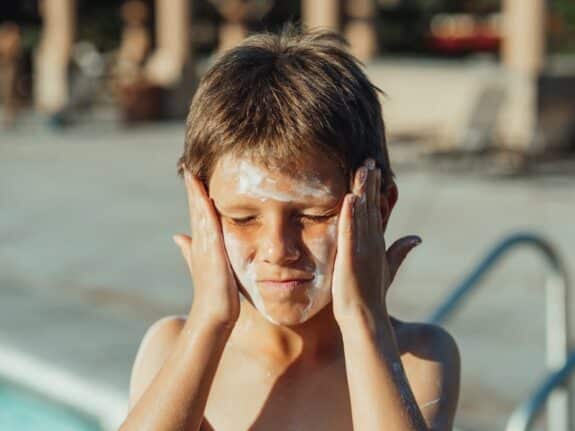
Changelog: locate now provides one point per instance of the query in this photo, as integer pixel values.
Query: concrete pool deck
(87, 262)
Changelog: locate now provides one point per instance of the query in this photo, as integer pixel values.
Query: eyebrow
(324, 205)
(235, 207)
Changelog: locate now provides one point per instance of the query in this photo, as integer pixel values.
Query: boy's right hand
(216, 296)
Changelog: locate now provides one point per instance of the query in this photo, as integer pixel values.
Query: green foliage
(561, 26)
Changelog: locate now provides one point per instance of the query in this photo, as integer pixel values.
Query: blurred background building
(479, 105)
(510, 85)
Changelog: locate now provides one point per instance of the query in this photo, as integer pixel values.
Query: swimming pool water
(22, 410)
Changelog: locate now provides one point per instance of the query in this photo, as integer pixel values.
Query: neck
(318, 340)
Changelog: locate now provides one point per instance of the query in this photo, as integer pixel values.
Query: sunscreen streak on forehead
(253, 181)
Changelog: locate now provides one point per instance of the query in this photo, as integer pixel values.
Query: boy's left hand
(363, 270)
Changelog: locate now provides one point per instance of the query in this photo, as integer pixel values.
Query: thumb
(398, 251)
(184, 242)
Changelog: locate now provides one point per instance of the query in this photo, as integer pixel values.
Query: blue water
(21, 410)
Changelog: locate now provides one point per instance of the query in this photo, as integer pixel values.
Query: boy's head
(281, 98)
(276, 130)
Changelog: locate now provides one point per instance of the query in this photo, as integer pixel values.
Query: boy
(290, 190)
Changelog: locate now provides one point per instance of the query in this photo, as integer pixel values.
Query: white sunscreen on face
(320, 293)
(255, 182)
(245, 271)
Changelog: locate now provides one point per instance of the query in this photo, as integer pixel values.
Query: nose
(279, 244)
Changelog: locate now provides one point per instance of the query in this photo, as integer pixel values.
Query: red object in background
(463, 33)
(465, 44)
(486, 40)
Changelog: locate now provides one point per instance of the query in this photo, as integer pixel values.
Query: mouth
(284, 285)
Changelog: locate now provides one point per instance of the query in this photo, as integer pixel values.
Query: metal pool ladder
(560, 363)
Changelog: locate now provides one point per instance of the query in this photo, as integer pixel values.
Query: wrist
(363, 315)
(207, 324)
(374, 321)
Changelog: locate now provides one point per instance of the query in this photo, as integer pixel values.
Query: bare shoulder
(425, 340)
(154, 348)
(432, 363)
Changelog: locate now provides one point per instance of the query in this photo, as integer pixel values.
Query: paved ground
(87, 262)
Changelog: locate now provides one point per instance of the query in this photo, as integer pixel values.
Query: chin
(285, 321)
(290, 316)
(288, 313)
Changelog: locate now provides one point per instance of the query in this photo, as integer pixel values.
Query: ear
(388, 199)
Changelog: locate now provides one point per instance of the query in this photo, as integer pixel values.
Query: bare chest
(245, 396)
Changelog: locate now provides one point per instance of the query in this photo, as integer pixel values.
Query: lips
(285, 284)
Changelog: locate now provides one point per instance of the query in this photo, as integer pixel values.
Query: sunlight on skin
(276, 227)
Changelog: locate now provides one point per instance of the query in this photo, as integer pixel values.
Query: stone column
(52, 59)
(320, 13)
(360, 31)
(523, 56)
(524, 35)
(236, 14)
(233, 30)
(135, 42)
(166, 64)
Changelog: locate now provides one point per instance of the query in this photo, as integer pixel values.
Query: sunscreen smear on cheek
(245, 271)
(323, 252)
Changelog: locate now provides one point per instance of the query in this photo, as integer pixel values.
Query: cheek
(323, 247)
(237, 248)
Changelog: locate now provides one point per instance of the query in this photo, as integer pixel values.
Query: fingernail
(351, 199)
(362, 175)
(176, 240)
(370, 164)
(415, 241)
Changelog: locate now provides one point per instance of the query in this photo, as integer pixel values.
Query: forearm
(381, 397)
(177, 396)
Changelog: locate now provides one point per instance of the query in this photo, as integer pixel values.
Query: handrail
(556, 312)
(525, 415)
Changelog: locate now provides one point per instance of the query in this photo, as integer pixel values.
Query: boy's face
(280, 233)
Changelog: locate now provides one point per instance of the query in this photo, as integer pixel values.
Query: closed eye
(302, 218)
(241, 220)
(315, 218)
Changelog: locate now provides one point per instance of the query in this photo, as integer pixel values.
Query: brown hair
(278, 97)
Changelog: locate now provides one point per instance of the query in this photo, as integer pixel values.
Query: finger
(370, 186)
(360, 181)
(345, 227)
(371, 189)
(359, 217)
(202, 210)
(184, 242)
(398, 251)
(189, 183)
(200, 198)
(379, 223)
(207, 205)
